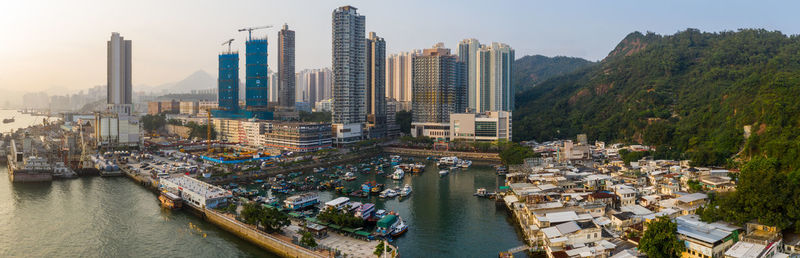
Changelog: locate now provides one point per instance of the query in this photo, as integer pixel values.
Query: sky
(57, 45)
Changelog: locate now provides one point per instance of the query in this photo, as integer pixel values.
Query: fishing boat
(417, 167)
(406, 190)
(447, 162)
(390, 225)
(349, 176)
(501, 170)
(8, 120)
(400, 228)
(376, 189)
(464, 163)
(481, 192)
(443, 172)
(388, 193)
(398, 174)
(170, 200)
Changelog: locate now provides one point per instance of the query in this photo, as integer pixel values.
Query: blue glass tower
(256, 92)
(228, 82)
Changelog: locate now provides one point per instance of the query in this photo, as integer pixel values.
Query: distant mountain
(708, 97)
(199, 80)
(530, 70)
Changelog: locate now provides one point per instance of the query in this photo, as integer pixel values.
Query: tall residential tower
(467, 53)
(434, 99)
(349, 76)
(118, 85)
(376, 86)
(286, 76)
(256, 80)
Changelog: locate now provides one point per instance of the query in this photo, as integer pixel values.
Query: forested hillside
(530, 70)
(692, 95)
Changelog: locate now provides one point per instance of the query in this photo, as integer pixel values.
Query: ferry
(170, 200)
(443, 172)
(297, 202)
(406, 191)
(398, 174)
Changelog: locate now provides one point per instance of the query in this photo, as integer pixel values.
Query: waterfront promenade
(485, 156)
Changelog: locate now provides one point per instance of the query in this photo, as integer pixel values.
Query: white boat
(464, 163)
(406, 191)
(388, 193)
(447, 162)
(398, 174)
(443, 172)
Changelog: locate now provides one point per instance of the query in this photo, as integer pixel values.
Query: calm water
(444, 219)
(20, 120)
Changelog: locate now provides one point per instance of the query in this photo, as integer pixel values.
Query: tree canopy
(660, 240)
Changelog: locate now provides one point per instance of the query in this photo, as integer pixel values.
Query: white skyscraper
(493, 76)
(119, 90)
(398, 77)
(468, 53)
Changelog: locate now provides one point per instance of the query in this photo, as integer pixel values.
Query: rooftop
(691, 226)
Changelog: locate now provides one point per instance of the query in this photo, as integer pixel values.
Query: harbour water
(115, 217)
(20, 120)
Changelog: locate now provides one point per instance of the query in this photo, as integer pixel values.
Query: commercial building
(205, 106)
(116, 130)
(376, 86)
(256, 80)
(286, 76)
(119, 89)
(349, 76)
(487, 126)
(286, 136)
(434, 97)
(399, 78)
(189, 107)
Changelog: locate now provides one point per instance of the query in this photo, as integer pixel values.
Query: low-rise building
(195, 192)
(189, 107)
(488, 126)
(704, 240)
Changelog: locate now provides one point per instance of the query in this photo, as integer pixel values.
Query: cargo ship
(30, 169)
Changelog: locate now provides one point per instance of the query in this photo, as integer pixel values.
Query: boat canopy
(387, 221)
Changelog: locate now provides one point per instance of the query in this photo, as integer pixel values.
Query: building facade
(286, 76)
(487, 126)
(493, 75)
(119, 89)
(285, 136)
(467, 53)
(376, 86)
(348, 74)
(256, 70)
(228, 82)
(434, 96)
(398, 77)
(189, 107)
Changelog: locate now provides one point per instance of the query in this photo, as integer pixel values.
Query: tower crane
(251, 29)
(228, 42)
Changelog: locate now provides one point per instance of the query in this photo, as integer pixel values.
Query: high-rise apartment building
(256, 70)
(398, 77)
(493, 71)
(286, 75)
(228, 82)
(349, 76)
(119, 90)
(376, 86)
(467, 53)
(434, 97)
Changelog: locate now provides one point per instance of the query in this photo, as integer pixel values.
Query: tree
(513, 153)
(379, 249)
(403, 119)
(308, 240)
(153, 122)
(174, 122)
(661, 239)
(315, 116)
(273, 220)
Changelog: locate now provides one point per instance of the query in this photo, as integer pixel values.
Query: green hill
(530, 70)
(692, 95)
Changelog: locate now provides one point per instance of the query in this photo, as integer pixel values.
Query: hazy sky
(62, 44)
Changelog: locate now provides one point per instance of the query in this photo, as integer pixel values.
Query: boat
(366, 211)
(388, 193)
(464, 163)
(8, 120)
(398, 174)
(417, 168)
(301, 201)
(481, 192)
(406, 190)
(501, 170)
(349, 176)
(447, 162)
(443, 172)
(400, 229)
(390, 225)
(376, 189)
(379, 214)
(170, 200)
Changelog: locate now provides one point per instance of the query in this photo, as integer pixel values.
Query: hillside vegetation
(692, 95)
(531, 70)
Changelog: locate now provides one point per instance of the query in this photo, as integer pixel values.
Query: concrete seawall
(461, 154)
(264, 240)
